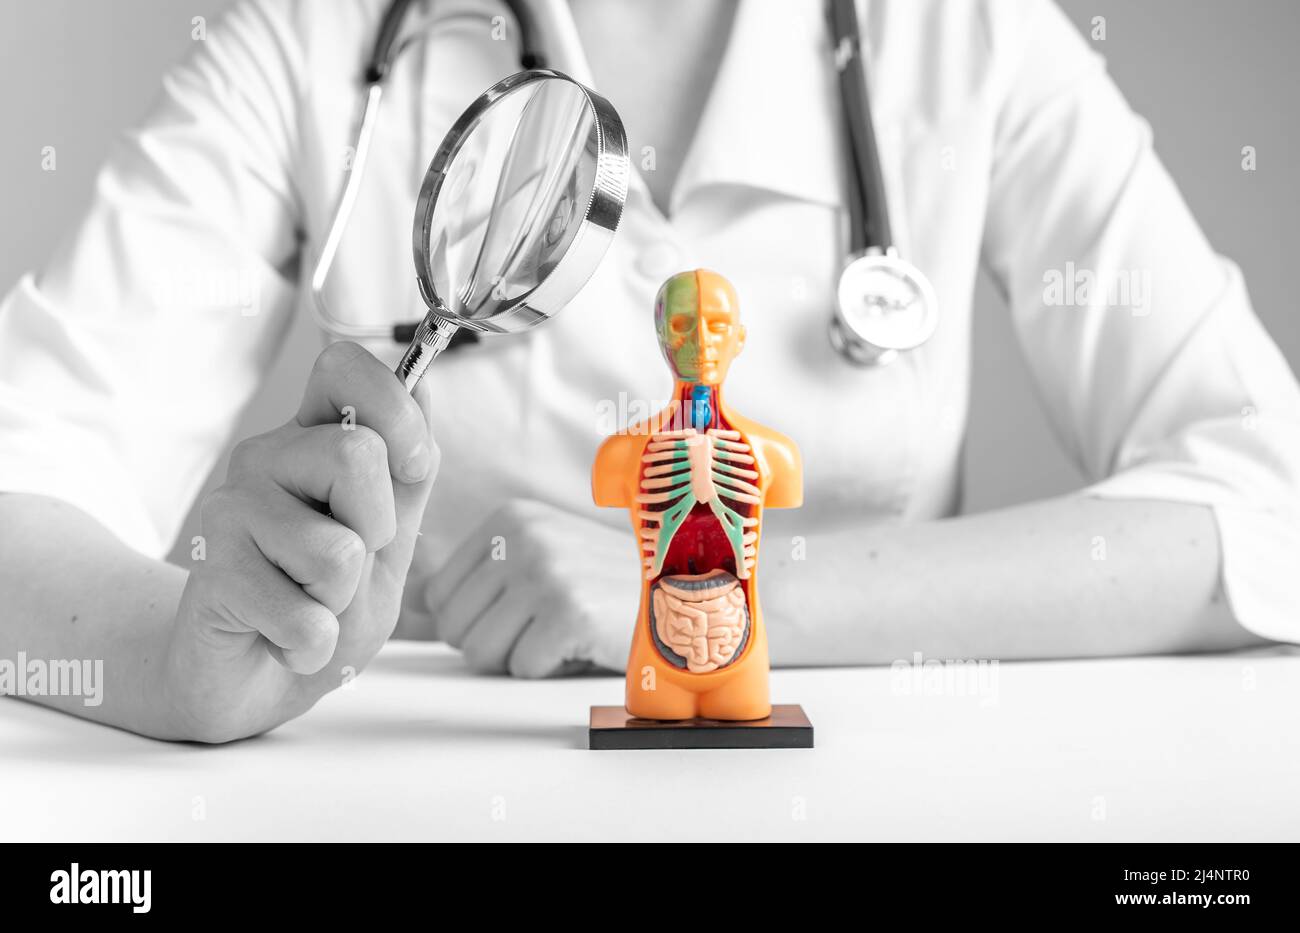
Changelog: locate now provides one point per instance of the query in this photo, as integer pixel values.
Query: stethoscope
(884, 305)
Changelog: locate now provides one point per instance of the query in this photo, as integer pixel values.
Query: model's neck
(700, 404)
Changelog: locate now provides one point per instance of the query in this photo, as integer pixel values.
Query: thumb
(411, 499)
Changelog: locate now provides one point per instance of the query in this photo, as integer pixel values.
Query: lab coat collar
(772, 119)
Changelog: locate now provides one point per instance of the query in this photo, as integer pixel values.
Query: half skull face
(697, 318)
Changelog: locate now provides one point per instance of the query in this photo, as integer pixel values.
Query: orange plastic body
(699, 347)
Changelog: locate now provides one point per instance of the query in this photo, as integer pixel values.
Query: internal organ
(700, 621)
(685, 468)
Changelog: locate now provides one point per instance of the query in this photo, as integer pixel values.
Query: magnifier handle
(431, 338)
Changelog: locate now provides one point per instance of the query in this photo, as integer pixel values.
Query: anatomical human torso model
(695, 479)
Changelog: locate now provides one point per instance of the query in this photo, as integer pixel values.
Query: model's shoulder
(775, 449)
(620, 444)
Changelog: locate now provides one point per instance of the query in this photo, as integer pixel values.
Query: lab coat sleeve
(1159, 379)
(125, 361)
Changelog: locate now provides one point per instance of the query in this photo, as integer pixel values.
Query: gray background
(1211, 76)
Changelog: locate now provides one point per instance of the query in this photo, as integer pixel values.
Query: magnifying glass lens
(517, 209)
(498, 237)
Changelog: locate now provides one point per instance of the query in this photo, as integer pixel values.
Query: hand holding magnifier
(517, 209)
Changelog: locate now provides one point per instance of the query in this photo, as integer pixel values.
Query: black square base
(613, 727)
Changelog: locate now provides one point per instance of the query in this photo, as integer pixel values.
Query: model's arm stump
(785, 466)
(609, 474)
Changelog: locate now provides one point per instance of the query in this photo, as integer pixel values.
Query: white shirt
(125, 362)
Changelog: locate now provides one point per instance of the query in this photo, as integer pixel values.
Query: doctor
(125, 362)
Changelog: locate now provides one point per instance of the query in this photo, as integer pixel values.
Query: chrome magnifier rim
(599, 218)
(867, 345)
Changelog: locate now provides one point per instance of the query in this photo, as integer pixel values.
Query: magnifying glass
(516, 210)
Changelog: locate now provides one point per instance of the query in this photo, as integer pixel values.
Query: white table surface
(1194, 748)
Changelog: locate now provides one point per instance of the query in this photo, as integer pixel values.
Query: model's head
(697, 317)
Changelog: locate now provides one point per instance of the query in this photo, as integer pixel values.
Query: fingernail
(416, 467)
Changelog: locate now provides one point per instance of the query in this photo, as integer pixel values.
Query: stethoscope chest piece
(884, 304)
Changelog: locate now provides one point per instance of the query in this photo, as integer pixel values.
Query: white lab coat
(125, 362)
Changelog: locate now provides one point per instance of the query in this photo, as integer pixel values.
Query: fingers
(411, 499)
(488, 643)
(251, 594)
(455, 614)
(322, 556)
(546, 646)
(518, 526)
(415, 620)
(348, 469)
(551, 607)
(348, 380)
(515, 634)
(469, 555)
(301, 633)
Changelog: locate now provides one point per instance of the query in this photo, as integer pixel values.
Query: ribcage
(683, 468)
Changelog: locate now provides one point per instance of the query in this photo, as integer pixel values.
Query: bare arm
(1068, 577)
(1190, 497)
(72, 591)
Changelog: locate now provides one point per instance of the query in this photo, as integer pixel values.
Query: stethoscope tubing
(869, 225)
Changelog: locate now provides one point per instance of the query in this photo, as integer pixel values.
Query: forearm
(1068, 577)
(71, 592)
